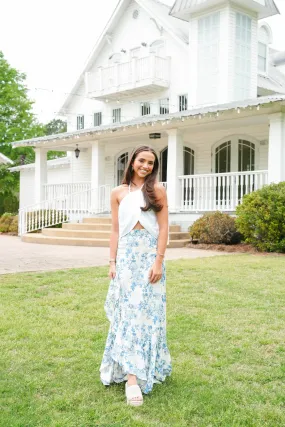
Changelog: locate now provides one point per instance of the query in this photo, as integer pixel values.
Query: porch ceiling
(238, 114)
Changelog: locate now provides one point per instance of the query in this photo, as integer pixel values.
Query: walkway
(17, 256)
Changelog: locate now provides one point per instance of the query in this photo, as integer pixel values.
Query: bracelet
(162, 255)
(111, 260)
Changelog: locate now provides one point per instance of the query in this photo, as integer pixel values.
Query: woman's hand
(155, 273)
(112, 271)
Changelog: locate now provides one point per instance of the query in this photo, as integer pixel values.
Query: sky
(50, 41)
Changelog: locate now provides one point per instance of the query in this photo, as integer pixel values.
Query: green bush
(215, 227)
(14, 225)
(5, 222)
(261, 218)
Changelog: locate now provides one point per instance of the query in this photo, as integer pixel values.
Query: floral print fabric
(136, 309)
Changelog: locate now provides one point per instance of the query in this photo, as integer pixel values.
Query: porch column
(40, 174)
(276, 149)
(97, 164)
(98, 195)
(174, 168)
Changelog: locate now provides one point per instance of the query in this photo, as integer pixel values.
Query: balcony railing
(220, 191)
(148, 73)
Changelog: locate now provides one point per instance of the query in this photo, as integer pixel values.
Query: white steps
(93, 232)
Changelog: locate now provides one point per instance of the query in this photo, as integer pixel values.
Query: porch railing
(54, 191)
(221, 191)
(63, 209)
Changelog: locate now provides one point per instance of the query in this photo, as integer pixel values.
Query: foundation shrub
(5, 222)
(216, 228)
(261, 218)
(13, 229)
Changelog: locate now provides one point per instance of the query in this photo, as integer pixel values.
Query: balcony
(139, 76)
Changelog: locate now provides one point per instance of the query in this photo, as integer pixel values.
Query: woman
(136, 348)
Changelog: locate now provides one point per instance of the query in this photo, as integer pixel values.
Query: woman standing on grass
(136, 348)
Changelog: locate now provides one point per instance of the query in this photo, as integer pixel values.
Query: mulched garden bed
(241, 247)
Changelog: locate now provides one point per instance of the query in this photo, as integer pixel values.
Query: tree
(9, 190)
(17, 120)
(55, 126)
(51, 128)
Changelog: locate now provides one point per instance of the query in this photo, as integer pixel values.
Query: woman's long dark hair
(151, 201)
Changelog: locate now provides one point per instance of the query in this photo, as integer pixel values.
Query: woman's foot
(133, 392)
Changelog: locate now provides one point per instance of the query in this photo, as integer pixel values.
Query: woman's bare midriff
(138, 226)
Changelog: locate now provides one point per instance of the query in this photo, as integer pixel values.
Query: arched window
(188, 162)
(235, 155)
(264, 39)
(122, 162)
(223, 158)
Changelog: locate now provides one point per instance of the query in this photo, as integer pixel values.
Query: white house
(198, 81)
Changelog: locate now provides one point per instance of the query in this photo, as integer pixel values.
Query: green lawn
(226, 334)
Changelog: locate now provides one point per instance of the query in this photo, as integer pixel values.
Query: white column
(97, 164)
(276, 149)
(98, 195)
(40, 173)
(174, 169)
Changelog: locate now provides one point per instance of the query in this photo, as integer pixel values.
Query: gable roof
(159, 11)
(4, 160)
(183, 8)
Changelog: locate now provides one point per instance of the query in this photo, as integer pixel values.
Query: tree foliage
(17, 120)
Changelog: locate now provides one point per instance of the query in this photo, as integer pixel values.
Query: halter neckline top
(130, 214)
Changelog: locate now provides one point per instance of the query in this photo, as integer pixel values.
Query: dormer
(184, 9)
(264, 40)
(223, 48)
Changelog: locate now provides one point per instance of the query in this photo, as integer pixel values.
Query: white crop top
(130, 213)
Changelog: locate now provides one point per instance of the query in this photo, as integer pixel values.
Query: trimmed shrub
(215, 227)
(5, 222)
(14, 225)
(261, 218)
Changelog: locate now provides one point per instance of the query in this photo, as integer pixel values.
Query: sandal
(133, 392)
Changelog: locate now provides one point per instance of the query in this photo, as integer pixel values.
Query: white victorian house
(198, 82)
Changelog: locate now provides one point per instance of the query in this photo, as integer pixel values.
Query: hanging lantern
(77, 151)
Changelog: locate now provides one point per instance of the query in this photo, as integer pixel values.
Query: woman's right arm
(114, 232)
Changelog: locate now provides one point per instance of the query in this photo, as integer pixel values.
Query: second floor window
(80, 122)
(117, 115)
(97, 119)
(262, 57)
(183, 102)
(164, 106)
(145, 108)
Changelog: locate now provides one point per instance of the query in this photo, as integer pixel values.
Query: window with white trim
(145, 108)
(243, 56)
(262, 57)
(164, 106)
(98, 118)
(183, 102)
(117, 112)
(80, 122)
(208, 58)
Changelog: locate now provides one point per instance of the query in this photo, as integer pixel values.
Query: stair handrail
(75, 206)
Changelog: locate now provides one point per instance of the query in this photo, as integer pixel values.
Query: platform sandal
(133, 392)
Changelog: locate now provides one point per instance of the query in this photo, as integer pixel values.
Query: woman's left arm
(162, 219)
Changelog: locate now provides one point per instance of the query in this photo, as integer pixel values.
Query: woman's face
(143, 164)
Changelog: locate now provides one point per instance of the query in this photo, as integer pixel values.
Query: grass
(226, 318)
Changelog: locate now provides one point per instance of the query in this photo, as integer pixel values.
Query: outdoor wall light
(155, 135)
(77, 151)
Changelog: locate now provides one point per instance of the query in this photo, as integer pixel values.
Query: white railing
(72, 207)
(128, 73)
(221, 191)
(55, 191)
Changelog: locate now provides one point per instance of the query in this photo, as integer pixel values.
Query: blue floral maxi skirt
(136, 309)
